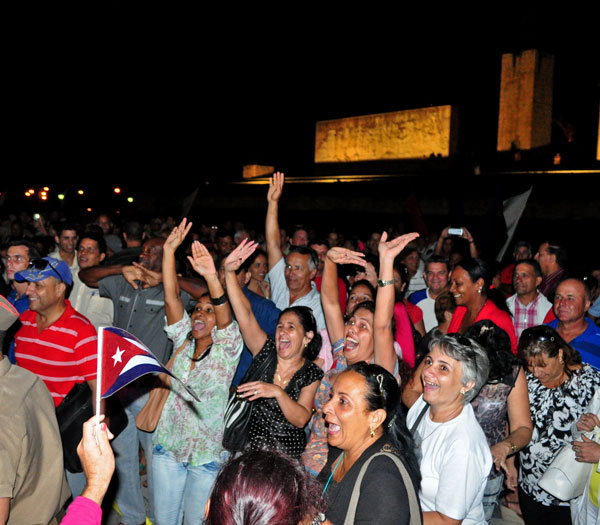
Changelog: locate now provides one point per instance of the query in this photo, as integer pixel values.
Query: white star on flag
(117, 356)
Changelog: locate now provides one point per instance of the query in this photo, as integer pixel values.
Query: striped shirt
(526, 316)
(62, 354)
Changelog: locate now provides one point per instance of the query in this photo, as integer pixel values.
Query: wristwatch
(381, 283)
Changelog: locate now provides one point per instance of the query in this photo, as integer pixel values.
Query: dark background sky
(142, 94)
(159, 100)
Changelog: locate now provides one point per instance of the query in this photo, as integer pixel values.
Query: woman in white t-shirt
(455, 458)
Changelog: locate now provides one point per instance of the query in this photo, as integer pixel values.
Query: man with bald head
(138, 299)
(571, 302)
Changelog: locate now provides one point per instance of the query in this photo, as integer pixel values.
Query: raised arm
(202, 261)
(330, 298)
(472, 247)
(91, 276)
(384, 303)
(274, 252)
(254, 336)
(414, 388)
(440, 242)
(195, 287)
(173, 303)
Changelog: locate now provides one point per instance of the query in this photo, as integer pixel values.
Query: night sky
(140, 96)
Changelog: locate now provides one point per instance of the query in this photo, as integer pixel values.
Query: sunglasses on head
(539, 336)
(42, 264)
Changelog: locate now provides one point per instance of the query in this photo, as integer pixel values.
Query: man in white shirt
(291, 278)
(91, 251)
(436, 279)
(66, 240)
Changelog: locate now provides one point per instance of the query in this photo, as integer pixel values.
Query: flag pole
(99, 360)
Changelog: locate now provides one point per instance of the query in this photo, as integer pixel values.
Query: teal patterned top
(193, 431)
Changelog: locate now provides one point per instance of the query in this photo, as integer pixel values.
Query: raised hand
(266, 288)
(97, 458)
(275, 187)
(390, 249)
(149, 278)
(201, 260)
(466, 234)
(339, 255)
(239, 255)
(132, 274)
(177, 236)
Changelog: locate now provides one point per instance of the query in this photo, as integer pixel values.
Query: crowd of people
(391, 378)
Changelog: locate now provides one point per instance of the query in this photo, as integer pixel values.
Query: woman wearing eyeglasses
(454, 454)
(560, 389)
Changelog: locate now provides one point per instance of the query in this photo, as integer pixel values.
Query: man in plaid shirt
(527, 305)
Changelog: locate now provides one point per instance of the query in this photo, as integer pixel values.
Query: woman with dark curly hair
(560, 390)
(502, 398)
(364, 420)
(283, 397)
(263, 487)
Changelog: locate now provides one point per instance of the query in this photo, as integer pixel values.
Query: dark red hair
(263, 488)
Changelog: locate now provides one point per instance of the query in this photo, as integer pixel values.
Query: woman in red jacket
(470, 284)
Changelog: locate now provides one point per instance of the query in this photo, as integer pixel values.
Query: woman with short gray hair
(452, 447)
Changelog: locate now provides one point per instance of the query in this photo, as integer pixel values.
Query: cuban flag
(122, 358)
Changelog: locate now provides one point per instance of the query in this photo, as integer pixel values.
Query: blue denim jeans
(127, 460)
(76, 482)
(491, 495)
(180, 489)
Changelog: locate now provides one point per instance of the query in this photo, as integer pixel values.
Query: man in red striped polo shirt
(55, 342)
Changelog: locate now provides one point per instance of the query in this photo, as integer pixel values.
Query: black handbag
(75, 409)
(238, 411)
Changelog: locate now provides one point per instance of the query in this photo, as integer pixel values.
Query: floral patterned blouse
(190, 430)
(553, 411)
(315, 454)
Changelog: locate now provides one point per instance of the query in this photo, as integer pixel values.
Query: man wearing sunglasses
(55, 341)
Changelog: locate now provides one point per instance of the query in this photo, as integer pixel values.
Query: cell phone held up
(455, 231)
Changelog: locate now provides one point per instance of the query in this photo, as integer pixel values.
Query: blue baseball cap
(40, 269)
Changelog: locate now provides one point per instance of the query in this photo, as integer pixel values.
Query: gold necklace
(289, 376)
